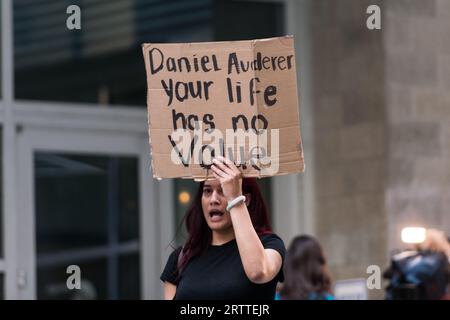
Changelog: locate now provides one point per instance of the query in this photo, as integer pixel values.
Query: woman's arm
(260, 265)
(169, 290)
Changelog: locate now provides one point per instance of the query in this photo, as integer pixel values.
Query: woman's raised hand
(229, 176)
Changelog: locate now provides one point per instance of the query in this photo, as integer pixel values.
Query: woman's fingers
(230, 180)
(222, 166)
(230, 164)
(217, 176)
(217, 171)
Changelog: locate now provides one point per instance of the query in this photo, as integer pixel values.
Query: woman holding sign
(230, 252)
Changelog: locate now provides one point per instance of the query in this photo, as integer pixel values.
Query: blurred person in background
(305, 271)
(421, 274)
(436, 240)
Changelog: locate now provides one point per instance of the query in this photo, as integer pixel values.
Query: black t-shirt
(219, 274)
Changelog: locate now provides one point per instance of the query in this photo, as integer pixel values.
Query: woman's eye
(206, 191)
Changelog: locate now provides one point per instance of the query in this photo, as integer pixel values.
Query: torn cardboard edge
(192, 173)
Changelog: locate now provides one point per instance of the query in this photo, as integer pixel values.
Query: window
(102, 62)
(250, 20)
(87, 215)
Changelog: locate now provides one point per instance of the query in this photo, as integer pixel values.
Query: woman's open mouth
(215, 215)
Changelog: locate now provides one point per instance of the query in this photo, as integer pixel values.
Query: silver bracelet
(235, 201)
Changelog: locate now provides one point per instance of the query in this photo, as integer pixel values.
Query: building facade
(76, 184)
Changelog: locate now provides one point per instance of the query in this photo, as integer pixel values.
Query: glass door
(86, 223)
(86, 215)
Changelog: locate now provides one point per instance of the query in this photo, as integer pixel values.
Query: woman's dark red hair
(199, 233)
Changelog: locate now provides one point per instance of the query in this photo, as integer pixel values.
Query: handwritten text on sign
(225, 98)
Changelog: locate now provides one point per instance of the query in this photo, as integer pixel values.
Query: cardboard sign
(237, 99)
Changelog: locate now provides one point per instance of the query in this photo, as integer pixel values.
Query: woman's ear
(248, 199)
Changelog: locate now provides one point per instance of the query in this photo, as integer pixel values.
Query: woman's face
(214, 206)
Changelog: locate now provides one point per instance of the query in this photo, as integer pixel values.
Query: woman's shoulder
(174, 256)
(170, 272)
(271, 237)
(273, 241)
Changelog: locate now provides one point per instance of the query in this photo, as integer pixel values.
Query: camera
(418, 275)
